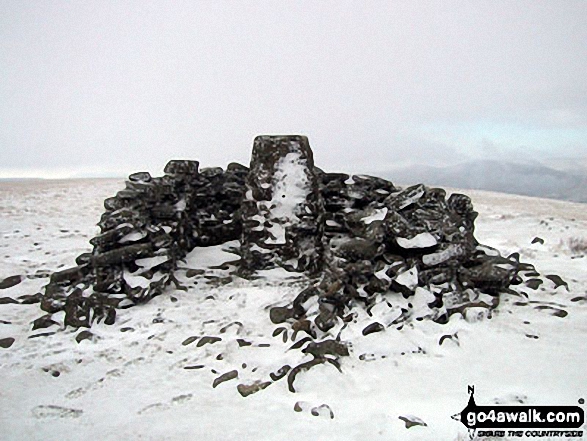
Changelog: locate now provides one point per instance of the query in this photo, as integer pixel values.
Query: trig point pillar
(282, 211)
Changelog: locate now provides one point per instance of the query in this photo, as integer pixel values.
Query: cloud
(130, 85)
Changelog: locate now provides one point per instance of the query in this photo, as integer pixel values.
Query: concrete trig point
(282, 211)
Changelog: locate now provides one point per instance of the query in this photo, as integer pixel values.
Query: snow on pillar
(282, 212)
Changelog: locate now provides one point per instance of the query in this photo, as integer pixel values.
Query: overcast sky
(91, 88)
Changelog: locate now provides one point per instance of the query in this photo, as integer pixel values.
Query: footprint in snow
(511, 399)
(159, 407)
(153, 408)
(50, 411)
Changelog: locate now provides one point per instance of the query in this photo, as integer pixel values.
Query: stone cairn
(355, 237)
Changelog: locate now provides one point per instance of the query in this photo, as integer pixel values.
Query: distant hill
(505, 177)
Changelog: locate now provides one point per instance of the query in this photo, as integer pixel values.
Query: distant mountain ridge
(499, 176)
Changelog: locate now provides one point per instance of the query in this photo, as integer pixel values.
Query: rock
(246, 390)
(323, 410)
(44, 322)
(190, 273)
(189, 340)
(357, 249)
(557, 280)
(207, 340)
(7, 300)
(242, 343)
(122, 255)
(279, 314)
(327, 347)
(69, 275)
(140, 177)
(533, 283)
(29, 299)
(84, 335)
(9, 282)
(281, 372)
(6, 342)
(538, 240)
(412, 421)
(181, 168)
(225, 377)
(373, 327)
(42, 334)
(304, 367)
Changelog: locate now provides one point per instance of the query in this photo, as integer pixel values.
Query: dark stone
(6, 342)
(189, 340)
(29, 299)
(140, 177)
(243, 343)
(235, 167)
(357, 249)
(211, 172)
(84, 335)
(327, 347)
(326, 319)
(373, 327)
(280, 314)
(533, 283)
(182, 168)
(281, 372)
(7, 300)
(246, 390)
(42, 334)
(208, 340)
(557, 280)
(83, 259)
(412, 421)
(225, 377)
(69, 275)
(44, 322)
(194, 272)
(303, 297)
(304, 367)
(9, 282)
(538, 240)
(122, 255)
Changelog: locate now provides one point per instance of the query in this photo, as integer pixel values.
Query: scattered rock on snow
(207, 340)
(6, 342)
(84, 335)
(246, 390)
(9, 282)
(557, 280)
(373, 327)
(225, 377)
(412, 421)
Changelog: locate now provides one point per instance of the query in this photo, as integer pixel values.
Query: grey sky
(116, 87)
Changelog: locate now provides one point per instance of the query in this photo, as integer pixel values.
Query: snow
(137, 380)
(290, 189)
(408, 278)
(378, 214)
(422, 240)
(150, 262)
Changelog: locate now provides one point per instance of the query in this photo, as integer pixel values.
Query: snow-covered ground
(144, 378)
